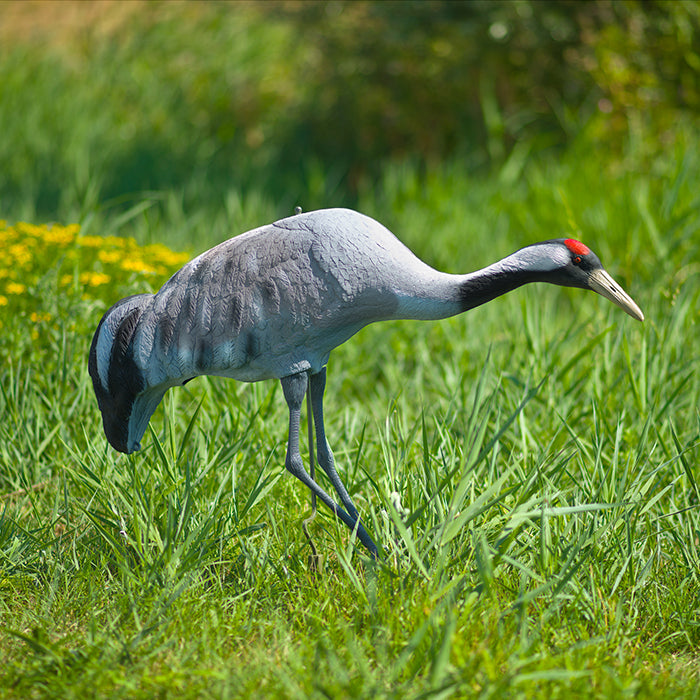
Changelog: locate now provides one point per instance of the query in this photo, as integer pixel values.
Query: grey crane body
(275, 301)
(270, 303)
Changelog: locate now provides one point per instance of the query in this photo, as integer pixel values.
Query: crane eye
(577, 260)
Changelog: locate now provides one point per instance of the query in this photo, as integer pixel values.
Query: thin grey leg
(294, 388)
(317, 386)
(313, 557)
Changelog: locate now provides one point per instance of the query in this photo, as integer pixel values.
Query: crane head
(570, 263)
(125, 401)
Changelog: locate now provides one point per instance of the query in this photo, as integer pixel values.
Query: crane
(273, 303)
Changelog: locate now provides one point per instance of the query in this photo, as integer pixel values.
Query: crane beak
(600, 281)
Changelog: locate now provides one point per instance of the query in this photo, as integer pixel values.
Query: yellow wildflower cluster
(15, 288)
(93, 279)
(43, 264)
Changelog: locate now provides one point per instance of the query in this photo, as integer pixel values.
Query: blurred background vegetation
(470, 129)
(105, 104)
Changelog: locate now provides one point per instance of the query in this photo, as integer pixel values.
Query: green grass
(544, 448)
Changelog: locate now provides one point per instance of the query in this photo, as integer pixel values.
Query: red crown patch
(576, 247)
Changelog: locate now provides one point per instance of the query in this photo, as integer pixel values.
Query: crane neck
(434, 295)
(477, 288)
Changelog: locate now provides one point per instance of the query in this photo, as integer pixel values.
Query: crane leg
(294, 388)
(317, 386)
(313, 557)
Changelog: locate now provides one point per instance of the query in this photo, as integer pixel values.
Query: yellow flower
(7, 234)
(19, 254)
(15, 288)
(61, 235)
(126, 243)
(91, 241)
(25, 229)
(38, 318)
(94, 279)
(137, 265)
(3, 300)
(164, 255)
(109, 256)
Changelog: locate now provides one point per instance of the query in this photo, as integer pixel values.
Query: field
(544, 447)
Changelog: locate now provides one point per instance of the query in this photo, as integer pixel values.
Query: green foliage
(530, 468)
(307, 101)
(154, 108)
